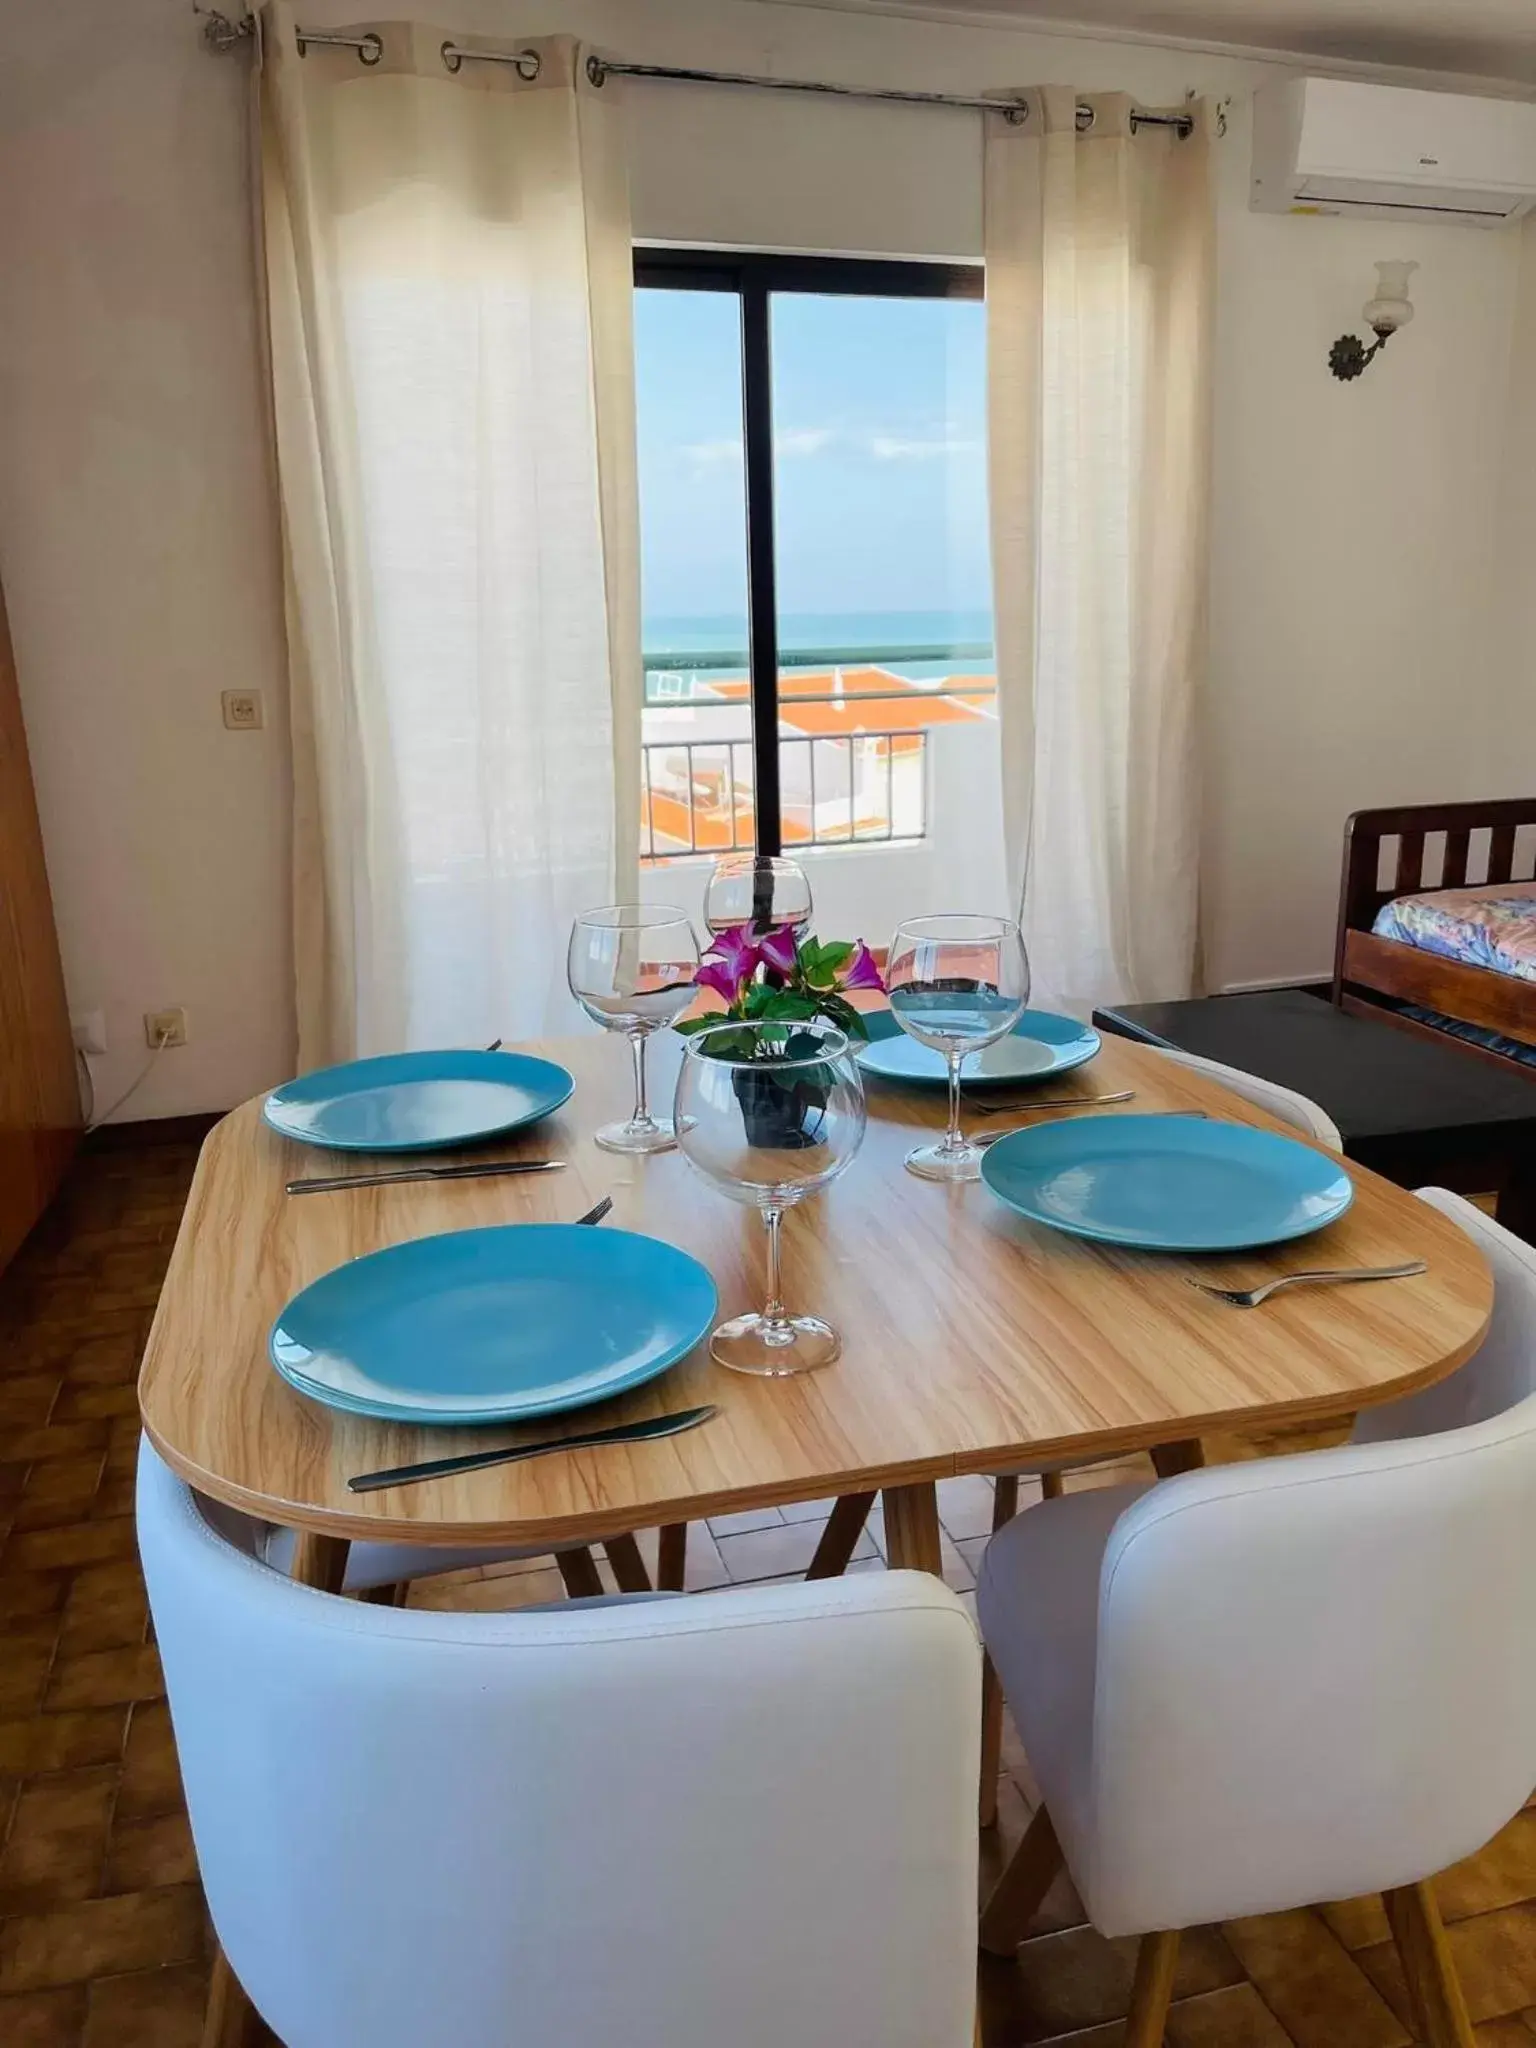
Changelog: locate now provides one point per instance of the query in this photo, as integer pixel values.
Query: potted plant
(766, 977)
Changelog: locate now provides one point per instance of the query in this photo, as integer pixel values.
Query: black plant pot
(780, 1114)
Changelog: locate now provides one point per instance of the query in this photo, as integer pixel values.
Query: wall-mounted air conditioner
(1335, 146)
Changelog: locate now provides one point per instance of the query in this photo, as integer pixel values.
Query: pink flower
(730, 963)
(861, 971)
(776, 948)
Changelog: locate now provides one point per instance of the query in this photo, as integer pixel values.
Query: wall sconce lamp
(1389, 310)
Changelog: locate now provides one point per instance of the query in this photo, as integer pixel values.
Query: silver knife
(327, 1184)
(475, 1461)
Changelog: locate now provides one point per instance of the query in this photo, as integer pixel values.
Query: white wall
(1358, 654)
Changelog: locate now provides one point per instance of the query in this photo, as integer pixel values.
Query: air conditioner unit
(1335, 146)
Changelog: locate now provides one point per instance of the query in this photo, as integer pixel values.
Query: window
(815, 581)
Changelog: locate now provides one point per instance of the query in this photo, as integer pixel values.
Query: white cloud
(706, 454)
(803, 440)
(915, 448)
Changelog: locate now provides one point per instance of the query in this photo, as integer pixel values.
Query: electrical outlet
(90, 1031)
(165, 1027)
(242, 710)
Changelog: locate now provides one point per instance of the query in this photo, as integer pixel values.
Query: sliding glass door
(816, 595)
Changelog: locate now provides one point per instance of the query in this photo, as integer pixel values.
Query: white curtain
(449, 304)
(1098, 249)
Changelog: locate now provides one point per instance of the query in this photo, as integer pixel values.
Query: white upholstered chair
(1285, 1105)
(1257, 1686)
(744, 1817)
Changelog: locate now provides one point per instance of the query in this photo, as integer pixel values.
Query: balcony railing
(696, 795)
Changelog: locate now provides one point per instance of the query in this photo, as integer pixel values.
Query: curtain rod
(221, 33)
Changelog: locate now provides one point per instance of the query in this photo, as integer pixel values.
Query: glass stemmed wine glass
(631, 968)
(757, 890)
(956, 984)
(770, 1113)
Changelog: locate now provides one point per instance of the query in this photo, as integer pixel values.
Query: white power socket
(163, 1028)
(90, 1031)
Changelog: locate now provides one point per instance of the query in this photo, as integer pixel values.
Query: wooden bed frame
(1434, 850)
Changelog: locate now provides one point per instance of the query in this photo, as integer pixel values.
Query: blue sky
(880, 476)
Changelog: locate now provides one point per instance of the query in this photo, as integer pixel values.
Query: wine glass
(759, 890)
(771, 1113)
(631, 968)
(956, 984)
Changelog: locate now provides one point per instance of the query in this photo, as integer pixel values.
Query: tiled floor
(103, 1938)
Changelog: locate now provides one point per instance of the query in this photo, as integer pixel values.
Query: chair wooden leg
(1440, 2010)
(1169, 1460)
(839, 1539)
(1153, 1991)
(672, 1557)
(578, 1568)
(1005, 1499)
(1017, 1894)
(991, 1744)
(228, 2017)
(387, 1596)
(628, 1565)
(1050, 1486)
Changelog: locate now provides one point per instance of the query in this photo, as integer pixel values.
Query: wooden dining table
(974, 1341)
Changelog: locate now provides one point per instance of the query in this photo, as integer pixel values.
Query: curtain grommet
(452, 56)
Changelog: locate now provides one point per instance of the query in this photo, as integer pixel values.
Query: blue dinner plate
(493, 1325)
(1040, 1043)
(417, 1101)
(1167, 1183)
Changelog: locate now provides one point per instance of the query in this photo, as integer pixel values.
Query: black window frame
(753, 277)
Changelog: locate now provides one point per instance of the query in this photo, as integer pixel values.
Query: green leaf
(837, 955)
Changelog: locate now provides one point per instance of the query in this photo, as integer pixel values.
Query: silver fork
(1024, 1105)
(1341, 1276)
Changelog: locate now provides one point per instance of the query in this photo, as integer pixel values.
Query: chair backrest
(746, 1816)
(1316, 1675)
(1299, 1111)
(1502, 1370)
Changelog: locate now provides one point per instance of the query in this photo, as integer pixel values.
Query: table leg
(229, 2018)
(628, 1565)
(1168, 1460)
(319, 1561)
(912, 1528)
(672, 1557)
(839, 1539)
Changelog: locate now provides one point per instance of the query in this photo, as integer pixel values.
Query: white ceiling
(1485, 38)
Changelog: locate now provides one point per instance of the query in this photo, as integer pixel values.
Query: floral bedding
(1487, 927)
(1492, 927)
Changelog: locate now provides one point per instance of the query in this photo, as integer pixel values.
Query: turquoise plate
(417, 1101)
(493, 1325)
(1167, 1183)
(1041, 1043)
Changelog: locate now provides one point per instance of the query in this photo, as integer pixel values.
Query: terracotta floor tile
(61, 1742)
(744, 1523)
(1358, 1923)
(81, 1543)
(965, 1507)
(102, 1678)
(57, 1491)
(69, 1440)
(1077, 1979)
(57, 1839)
(151, 1777)
(26, 1399)
(150, 2009)
(1495, 1958)
(1510, 2032)
(1234, 2017)
(43, 2019)
(1320, 1994)
(24, 1596)
(24, 1670)
(106, 1609)
(100, 1938)
(1496, 1876)
(144, 1854)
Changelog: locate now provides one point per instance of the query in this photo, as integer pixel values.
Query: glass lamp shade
(1390, 309)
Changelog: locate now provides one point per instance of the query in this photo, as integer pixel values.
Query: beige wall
(1364, 614)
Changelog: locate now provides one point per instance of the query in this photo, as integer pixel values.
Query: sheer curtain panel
(1098, 249)
(447, 254)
